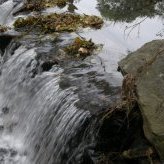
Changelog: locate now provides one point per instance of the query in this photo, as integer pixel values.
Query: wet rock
(80, 48)
(5, 39)
(147, 66)
(46, 66)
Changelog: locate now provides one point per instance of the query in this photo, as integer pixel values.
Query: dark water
(48, 116)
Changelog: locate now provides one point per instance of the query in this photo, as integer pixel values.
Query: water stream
(48, 116)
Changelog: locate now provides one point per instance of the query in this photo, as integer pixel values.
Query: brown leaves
(59, 22)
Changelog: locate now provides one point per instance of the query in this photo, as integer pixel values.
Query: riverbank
(146, 67)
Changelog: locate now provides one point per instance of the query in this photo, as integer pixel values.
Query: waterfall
(41, 116)
(7, 9)
(42, 122)
(39, 122)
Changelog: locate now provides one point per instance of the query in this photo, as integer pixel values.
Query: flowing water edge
(48, 116)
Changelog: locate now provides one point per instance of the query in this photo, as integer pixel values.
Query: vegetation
(58, 22)
(129, 10)
(55, 22)
(80, 47)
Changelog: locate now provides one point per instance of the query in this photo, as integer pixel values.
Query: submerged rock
(147, 66)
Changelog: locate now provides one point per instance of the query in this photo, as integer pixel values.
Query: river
(49, 116)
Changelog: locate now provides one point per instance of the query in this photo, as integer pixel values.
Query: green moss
(80, 48)
(59, 22)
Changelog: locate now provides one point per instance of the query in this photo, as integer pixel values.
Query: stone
(84, 51)
(147, 66)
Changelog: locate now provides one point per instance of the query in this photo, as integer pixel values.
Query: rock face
(147, 65)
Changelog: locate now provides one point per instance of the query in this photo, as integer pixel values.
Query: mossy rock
(80, 48)
(64, 22)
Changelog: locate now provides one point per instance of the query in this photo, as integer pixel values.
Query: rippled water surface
(116, 39)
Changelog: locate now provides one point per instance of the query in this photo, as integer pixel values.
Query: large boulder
(147, 65)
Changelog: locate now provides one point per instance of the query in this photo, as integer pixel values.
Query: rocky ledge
(146, 65)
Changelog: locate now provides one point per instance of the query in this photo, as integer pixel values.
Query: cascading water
(40, 123)
(7, 8)
(41, 116)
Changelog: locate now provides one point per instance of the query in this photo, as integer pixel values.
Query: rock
(147, 65)
(83, 51)
(47, 65)
(5, 39)
(80, 48)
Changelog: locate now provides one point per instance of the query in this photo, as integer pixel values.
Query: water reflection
(129, 10)
(119, 36)
(71, 5)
